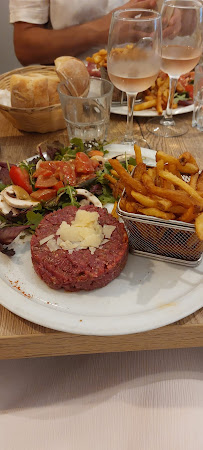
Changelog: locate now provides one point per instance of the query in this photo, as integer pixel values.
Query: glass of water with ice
(87, 116)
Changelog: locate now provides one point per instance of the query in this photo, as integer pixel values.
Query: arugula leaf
(34, 218)
(3, 218)
(100, 174)
(72, 194)
(78, 143)
(183, 96)
(2, 186)
(132, 161)
(107, 196)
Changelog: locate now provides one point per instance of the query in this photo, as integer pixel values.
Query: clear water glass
(197, 118)
(87, 117)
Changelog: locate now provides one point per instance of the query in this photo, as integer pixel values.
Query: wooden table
(22, 339)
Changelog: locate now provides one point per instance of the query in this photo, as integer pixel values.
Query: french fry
(188, 216)
(166, 158)
(145, 105)
(200, 182)
(138, 154)
(150, 97)
(99, 58)
(122, 203)
(114, 173)
(178, 197)
(110, 178)
(156, 213)
(130, 207)
(161, 89)
(199, 226)
(130, 168)
(164, 204)
(177, 209)
(139, 170)
(113, 212)
(159, 81)
(186, 157)
(182, 184)
(173, 169)
(159, 165)
(125, 176)
(193, 180)
(144, 200)
(188, 168)
(118, 188)
(152, 173)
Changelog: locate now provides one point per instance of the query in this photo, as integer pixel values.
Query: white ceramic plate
(148, 294)
(122, 110)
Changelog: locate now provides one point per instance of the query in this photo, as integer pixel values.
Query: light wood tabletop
(20, 338)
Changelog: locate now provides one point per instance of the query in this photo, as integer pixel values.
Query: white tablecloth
(120, 401)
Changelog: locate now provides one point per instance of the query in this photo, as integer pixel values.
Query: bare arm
(35, 44)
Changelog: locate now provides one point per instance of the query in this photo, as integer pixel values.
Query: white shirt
(61, 13)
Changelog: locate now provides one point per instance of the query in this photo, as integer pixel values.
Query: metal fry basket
(170, 241)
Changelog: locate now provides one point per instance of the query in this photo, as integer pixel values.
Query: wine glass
(181, 51)
(133, 59)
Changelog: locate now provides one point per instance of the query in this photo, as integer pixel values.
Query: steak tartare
(78, 269)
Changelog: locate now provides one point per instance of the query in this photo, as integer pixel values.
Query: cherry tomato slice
(83, 163)
(45, 182)
(189, 89)
(69, 175)
(62, 170)
(20, 177)
(95, 153)
(58, 185)
(41, 171)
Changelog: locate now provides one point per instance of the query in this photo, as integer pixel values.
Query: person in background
(47, 29)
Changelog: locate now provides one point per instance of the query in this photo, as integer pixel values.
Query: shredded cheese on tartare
(84, 232)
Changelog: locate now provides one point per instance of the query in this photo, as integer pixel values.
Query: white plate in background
(122, 110)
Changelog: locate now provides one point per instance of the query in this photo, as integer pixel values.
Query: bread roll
(53, 81)
(29, 91)
(73, 70)
(34, 90)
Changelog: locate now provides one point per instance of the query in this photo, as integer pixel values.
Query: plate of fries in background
(153, 100)
(139, 112)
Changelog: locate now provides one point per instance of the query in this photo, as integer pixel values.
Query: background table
(20, 338)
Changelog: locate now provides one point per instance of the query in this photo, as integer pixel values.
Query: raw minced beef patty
(80, 270)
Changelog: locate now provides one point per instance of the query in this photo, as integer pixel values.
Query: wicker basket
(39, 120)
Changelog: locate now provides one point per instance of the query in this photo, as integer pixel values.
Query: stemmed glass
(133, 59)
(181, 51)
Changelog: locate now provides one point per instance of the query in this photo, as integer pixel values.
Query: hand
(172, 27)
(179, 24)
(141, 4)
(102, 24)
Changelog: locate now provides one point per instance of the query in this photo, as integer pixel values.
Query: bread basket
(39, 120)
